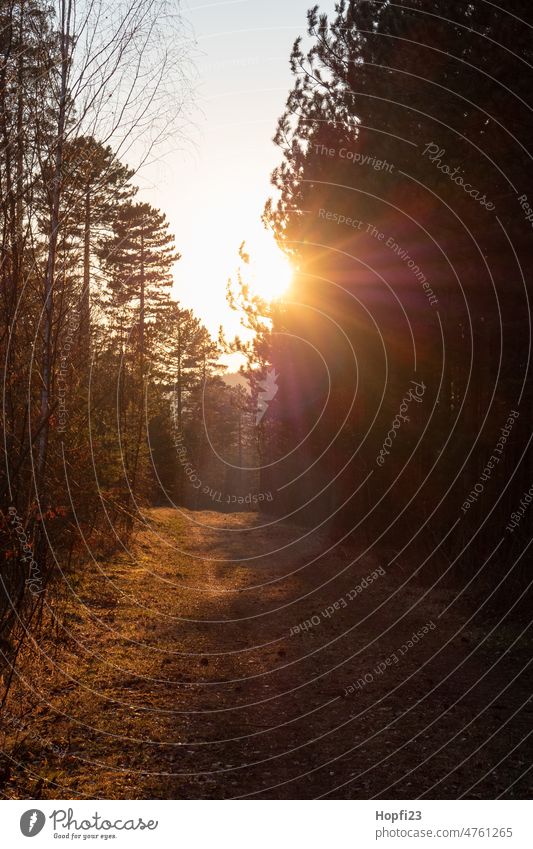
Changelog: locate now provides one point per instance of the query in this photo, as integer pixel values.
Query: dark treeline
(106, 379)
(404, 411)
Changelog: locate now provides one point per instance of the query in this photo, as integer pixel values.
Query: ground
(182, 670)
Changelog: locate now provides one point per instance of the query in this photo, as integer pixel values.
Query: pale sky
(214, 188)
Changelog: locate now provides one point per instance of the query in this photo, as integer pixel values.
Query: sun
(269, 272)
(202, 276)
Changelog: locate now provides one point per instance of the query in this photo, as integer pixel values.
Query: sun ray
(270, 272)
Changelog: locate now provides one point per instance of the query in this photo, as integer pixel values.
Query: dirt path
(184, 676)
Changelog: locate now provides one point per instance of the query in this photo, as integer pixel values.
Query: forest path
(180, 677)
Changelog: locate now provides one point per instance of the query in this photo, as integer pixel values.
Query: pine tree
(189, 356)
(95, 187)
(137, 260)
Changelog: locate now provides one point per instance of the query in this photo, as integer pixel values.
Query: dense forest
(105, 376)
(404, 351)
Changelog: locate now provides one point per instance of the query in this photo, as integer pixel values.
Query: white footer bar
(268, 824)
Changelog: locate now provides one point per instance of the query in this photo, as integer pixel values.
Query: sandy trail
(182, 675)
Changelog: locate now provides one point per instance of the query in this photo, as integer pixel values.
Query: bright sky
(213, 190)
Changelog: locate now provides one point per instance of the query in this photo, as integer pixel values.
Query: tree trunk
(85, 323)
(141, 366)
(46, 362)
